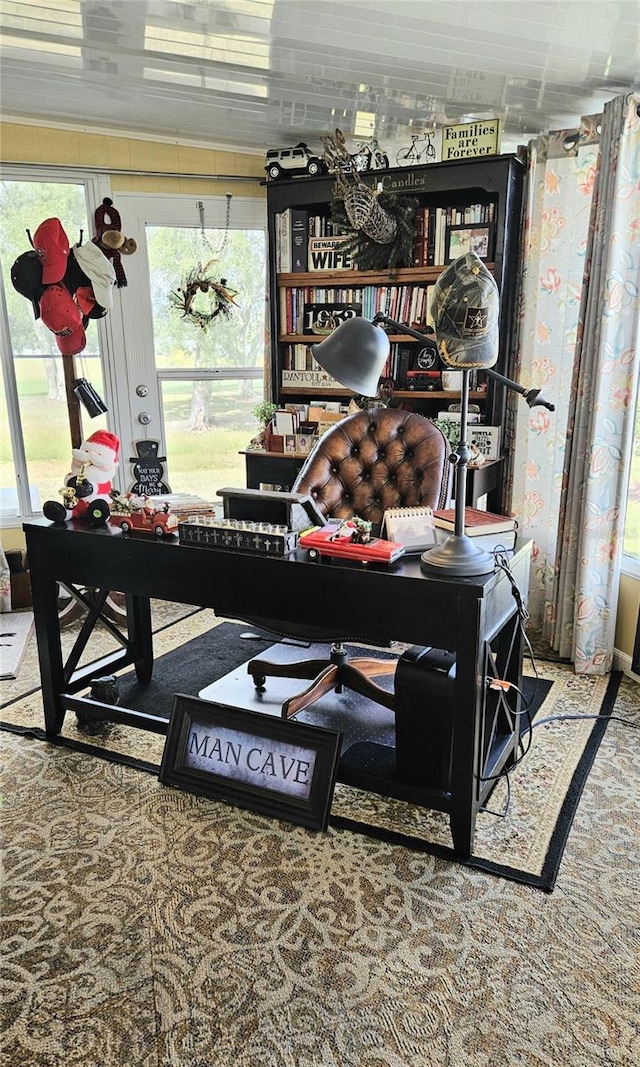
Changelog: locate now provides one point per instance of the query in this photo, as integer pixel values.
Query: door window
(210, 375)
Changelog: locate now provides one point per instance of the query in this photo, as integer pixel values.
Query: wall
(39, 144)
(627, 618)
(43, 145)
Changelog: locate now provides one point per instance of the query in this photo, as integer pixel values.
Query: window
(35, 439)
(208, 421)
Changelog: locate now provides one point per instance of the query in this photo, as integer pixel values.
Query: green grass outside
(201, 462)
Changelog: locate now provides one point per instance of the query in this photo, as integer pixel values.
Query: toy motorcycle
(369, 156)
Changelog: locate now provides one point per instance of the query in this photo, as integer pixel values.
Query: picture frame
(470, 237)
(280, 768)
(304, 443)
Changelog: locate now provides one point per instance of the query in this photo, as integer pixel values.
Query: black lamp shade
(355, 355)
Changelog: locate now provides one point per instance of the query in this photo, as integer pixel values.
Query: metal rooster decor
(380, 227)
(361, 202)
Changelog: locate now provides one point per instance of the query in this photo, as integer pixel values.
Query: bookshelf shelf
(401, 276)
(314, 339)
(399, 394)
(297, 295)
(311, 391)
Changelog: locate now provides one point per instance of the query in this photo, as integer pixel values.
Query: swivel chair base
(325, 675)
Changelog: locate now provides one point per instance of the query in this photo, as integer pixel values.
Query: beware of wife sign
(281, 768)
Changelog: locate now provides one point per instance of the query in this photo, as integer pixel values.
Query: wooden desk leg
(44, 593)
(466, 732)
(140, 636)
(463, 828)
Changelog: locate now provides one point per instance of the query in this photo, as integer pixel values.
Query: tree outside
(207, 423)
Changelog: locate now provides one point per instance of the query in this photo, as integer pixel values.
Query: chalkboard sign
(148, 469)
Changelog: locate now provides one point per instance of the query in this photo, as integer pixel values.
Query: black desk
(475, 617)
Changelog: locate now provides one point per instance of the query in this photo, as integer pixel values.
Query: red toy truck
(140, 515)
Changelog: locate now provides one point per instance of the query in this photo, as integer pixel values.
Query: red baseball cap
(63, 317)
(85, 299)
(51, 246)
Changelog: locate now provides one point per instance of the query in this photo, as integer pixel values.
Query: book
(411, 527)
(283, 245)
(476, 522)
(491, 542)
(299, 239)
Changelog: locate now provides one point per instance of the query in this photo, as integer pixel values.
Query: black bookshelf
(496, 180)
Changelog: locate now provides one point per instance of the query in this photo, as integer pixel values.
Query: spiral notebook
(412, 527)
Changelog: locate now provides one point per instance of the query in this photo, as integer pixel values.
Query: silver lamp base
(459, 557)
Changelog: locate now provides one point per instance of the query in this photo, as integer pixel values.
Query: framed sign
(278, 767)
(476, 238)
(469, 139)
(324, 318)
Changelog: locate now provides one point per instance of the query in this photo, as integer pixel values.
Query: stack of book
(184, 504)
(489, 531)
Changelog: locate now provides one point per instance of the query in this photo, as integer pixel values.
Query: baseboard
(622, 662)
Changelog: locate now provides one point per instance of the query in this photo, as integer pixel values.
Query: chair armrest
(297, 511)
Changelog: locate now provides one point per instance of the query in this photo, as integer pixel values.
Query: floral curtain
(578, 334)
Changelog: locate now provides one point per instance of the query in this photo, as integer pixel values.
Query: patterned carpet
(145, 927)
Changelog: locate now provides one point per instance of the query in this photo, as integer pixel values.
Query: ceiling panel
(253, 74)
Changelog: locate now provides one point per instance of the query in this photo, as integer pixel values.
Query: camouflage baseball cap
(465, 312)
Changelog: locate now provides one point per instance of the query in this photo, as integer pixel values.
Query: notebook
(412, 527)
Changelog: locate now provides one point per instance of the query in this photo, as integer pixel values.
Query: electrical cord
(521, 745)
(525, 738)
(503, 687)
(605, 718)
(507, 804)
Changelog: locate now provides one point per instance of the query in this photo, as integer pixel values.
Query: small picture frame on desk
(290, 442)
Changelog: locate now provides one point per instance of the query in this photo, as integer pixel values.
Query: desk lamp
(465, 310)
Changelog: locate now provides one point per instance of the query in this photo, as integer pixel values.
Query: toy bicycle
(414, 154)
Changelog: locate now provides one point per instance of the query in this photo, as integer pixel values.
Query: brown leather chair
(370, 462)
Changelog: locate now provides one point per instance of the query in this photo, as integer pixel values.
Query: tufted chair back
(375, 460)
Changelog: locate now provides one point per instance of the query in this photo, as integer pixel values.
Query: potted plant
(264, 412)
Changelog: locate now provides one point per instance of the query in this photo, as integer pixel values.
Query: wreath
(369, 254)
(221, 298)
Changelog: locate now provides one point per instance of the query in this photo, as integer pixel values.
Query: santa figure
(87, 486)
(96, 461)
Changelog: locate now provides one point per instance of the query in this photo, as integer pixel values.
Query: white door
(192, 370)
